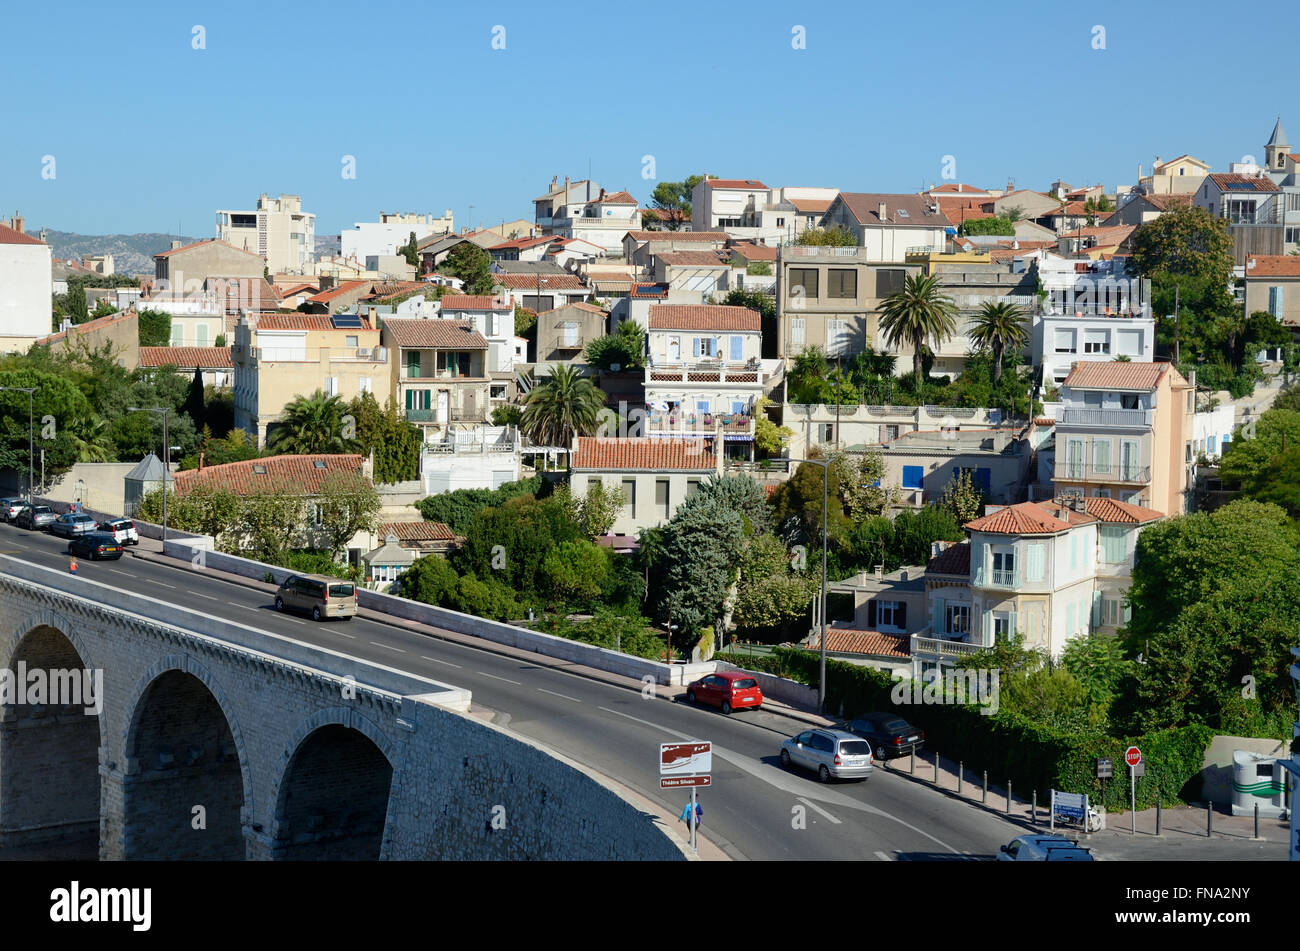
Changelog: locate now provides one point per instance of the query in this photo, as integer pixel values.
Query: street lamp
(821, 679)
(167, 456)
(29, 390)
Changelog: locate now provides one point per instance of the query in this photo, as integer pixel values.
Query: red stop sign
(1132, 756)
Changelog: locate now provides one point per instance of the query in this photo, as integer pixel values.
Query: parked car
(830, 753)
(10, 507)
(95, 545)
(1044, 848)
(35, 518)
(732, 690)
(889, 734)
(72, 523)
(122, 529)
(319, 595)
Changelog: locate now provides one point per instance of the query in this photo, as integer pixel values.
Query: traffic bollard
(985, 797)
(911, 766)
(1209, 819)
(1033, 809)
(1257, 820)
(961, 768)
(936, 769)
(1008, 797)
(1157, 812)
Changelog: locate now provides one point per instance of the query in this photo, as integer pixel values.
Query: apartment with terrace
(439, 374)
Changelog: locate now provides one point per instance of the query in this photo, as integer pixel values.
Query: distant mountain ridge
(132, 253)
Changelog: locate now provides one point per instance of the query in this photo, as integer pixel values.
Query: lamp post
(821, 678)
(29, 390)
(167, 456)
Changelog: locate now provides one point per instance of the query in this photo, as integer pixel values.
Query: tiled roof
(953, 560)
(648, 291)
(811, 206)
(528, 282)
(416, 531)
(206, 357)
(1124, 513)
(305, 322)
(1075, 208)
(1104, 235)
(1273, 265)
(578, 305)
(10, 235)
(1259, 183)
(1025, 518)
(1165, 202)
(600, 454)
(846, 641)
(703, 317)
(956, 188)
(99, 323)
(393, 288)
(522, 243)
(199, 244)
(734, 183)
(692, 258)
(754, 252)
(957, 210)
(612, 285)
(865, 207)
(435, 334)
(1044, 421)
(347, 287)
(618, 198)
(1184, 156)
(475, 301)
(1116, 375)
(681, 237)
(277, 472)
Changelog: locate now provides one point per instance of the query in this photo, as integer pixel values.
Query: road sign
(678, 782)
(685, 759)
(1072, 805)
(1139, 770)
(1105, 770)
(1132, 756)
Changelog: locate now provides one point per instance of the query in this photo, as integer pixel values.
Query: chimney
(175, 243)
(200, 460)
(17, 222)
(882, 211)
(880, 572)
(566, 187)
(1062, 512)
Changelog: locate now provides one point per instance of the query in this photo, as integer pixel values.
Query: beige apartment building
(1125, 432)
(827, 297)
(439, 374)
(564, 332)
(279, 357)
(1273, 285)
(655, 475)
(188, 268)
(277, 229)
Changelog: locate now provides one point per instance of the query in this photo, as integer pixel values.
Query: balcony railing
(704, 372)
(440, 375)
(571, 343)
(998, 578)
(456, 416)
(452, 447)
(1113, 472)
(943, 646)
(699, 422)
(1107, 417)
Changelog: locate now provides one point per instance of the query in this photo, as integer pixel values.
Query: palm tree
(312, 424)
(94, 441)
(807, 377)
(565, 405)
(996, 327)
(915, 313)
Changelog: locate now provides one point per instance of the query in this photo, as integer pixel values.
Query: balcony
(699, 423)
(706, 371)
(1107, 417)
(818, 251)
(943, 646)
(457, 416)
(407, 375)
(571, 343)
(453, 447)
(1083, 472)
(997, 578)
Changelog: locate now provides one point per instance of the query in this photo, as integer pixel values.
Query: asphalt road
(755, 809)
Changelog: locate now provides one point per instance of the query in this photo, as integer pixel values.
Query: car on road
(10, 507)
(72, 523)
(831, 754)
(95, 545)
(319, 595)
(37, 518)
(1044, 848)
(889, 734)
(730, 690)
(123, 529)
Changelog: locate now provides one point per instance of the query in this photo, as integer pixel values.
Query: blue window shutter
(737, 348)
(1011, 622)
(695, 346)
(913, 477)
(984, 479)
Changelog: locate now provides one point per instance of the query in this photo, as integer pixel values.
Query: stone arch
(183, 748)
(50, 786)
(333, 799)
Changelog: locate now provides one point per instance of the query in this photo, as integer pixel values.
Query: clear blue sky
(148, 133)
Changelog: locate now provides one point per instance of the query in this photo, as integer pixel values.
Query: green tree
(564, 405)
(71, 416)
(596, 511)
(997, 327)
(991, 225)
(458, 509)
(346, 503)
(510, 541)
(860, 477)
(154, 328)
(765, 304)
(674, 200)
(915, 531)
(702, 543)
(410, 251)
(525, 321)
(1277, 481)
(103, 308)
(94, 441)
(75, 305)
(574, 572)
(1098, 663)
(1186, 241)
(1253, 447)
(837, 237)
(770, 593)
(758, 268)
(270, 522)
(471, 264)
(916, 313)
(312, 424)
(962, 498)
(193, 407)
(797, 505)
(769, 438)
(430, 579)
(624, 347)
(743, 495)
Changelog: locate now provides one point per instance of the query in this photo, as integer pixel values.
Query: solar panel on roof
(1240, 186)
(346, 321)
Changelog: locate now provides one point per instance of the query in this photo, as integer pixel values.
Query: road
(755, 809)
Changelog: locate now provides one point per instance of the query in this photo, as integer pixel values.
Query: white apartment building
(383, 237)
(494, 318)
(748, 210)
(586, 211)
(26, 287)
(655, 475)
(277, 229)
(482, 457)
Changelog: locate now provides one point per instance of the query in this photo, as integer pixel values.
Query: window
(780, 222)
(661, 497)
(1187, 451)
(797, 325)
(692, 486)
(1004, 567)
(363, 385)
(957, 618)
(629, 498)
(1074, 459)
(1113, 544)
(837, 337)
(1101, 456)
(178, 334)
(803, 282)
(201, 335)
(1036, 562)
(913, 477)
(891, 614)
(350, 341)
(1065, 341)
(737, 348)
(413, 363)
(417, 399)
(1292, 234)
(1275, 298)
(842, 283)
(1128, 461)
(738, 406)
(1002, 626)
(704, 346)
(1130, 401)
(569, 333)
(1096, 341)
(1210, 444)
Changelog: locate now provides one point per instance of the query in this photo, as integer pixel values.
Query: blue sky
(148, 133)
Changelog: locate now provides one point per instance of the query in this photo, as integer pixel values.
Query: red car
(733, 690)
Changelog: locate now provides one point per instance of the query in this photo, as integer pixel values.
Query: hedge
(1010, 746)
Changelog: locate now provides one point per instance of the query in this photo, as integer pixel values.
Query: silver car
(73, 523)
(832, 754)
(1044, 848)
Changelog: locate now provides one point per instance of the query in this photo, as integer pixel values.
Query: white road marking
(883, 857)
(436, 661)
(118, 571)
(390, 647)
(340, 633)
(562, 696)
(161, 583)
(818, 809)
(208, 596)
(495, 677)
(653, 726)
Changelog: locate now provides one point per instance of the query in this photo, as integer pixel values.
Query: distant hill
(132, 253)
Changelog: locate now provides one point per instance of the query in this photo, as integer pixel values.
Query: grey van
(318, 595)
(829, 753)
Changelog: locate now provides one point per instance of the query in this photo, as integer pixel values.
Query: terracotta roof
(953, 560)
(435, 334)
(1044, 421)
(1075, 208)
(648, 291)
(754, 252)
(865, 207)
(847, 641)
(528, 282)
(99, 323)
(703, 317)
(692, 258)
(577, 305)
(521, 243)
(393, 288)
(198, 244)
(618, 198)
(1025, 518)
(957, 210)
(682, 237)
(206, 357)
(347, 287)
(957, 188)
(476, 301)
(806, 206)
(10, 235)
(1273, 265)
(734, 183)
(1165, 202)
(297, 289)
(642, 453)
(278, 472)
(1180, 158)
(1104, 235)
(305, 322)
(416, 531)
(1259, 183)
(1116, 375)
(1124, 513)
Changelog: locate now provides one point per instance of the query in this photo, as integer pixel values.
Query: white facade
(486, 457)
(703, 371)
(384, 237)
(26, 289)
(1212, 430)
(498, 327)
(277, 229)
